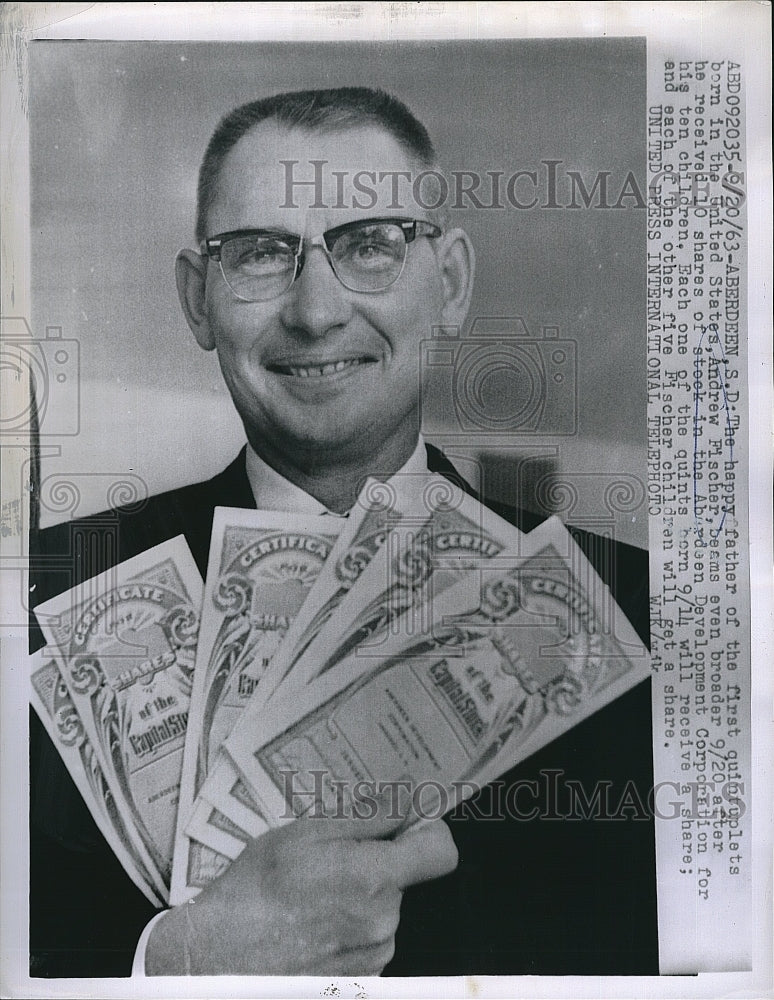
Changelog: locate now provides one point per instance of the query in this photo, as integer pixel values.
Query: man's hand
(312, 898)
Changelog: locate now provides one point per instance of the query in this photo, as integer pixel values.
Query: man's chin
(317, 446)
(317, 439)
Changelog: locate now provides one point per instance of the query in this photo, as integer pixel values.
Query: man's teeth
(317, 370)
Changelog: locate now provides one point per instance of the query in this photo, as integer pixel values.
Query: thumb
(373, 812)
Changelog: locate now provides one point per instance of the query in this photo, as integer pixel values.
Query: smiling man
(316, 293)
(317, 307)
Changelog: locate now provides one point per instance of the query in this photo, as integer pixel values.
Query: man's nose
(316, 302)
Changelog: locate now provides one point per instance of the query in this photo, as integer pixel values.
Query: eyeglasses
(366, 256)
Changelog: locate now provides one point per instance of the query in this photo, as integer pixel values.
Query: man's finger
(370, 816)
(423, 853)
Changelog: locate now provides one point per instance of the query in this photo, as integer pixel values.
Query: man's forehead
(275, 172)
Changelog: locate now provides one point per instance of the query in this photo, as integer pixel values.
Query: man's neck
(337, 484)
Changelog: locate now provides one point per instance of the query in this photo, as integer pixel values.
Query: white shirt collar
(273, 492)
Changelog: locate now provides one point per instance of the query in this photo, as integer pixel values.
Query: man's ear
(191, 276)
(457, 261)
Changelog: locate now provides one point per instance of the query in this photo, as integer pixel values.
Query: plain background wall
(117, 133)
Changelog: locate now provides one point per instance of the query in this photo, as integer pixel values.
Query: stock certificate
(127, 641)
(408, 501)
(459, 535)
(262, 565)
(379, 509)
(515, 657)
(51, 700)
(200, 865)
(212, 827)
(448, 534)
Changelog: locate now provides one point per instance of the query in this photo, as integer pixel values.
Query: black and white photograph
(386, 532)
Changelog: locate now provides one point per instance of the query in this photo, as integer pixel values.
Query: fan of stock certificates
(421, 643)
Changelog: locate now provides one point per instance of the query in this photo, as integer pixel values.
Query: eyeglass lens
(366, 258)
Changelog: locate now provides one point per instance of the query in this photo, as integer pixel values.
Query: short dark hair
(317, 110)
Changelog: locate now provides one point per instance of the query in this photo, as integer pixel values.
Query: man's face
(277, 356)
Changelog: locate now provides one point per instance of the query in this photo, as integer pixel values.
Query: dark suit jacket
(546, 895)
